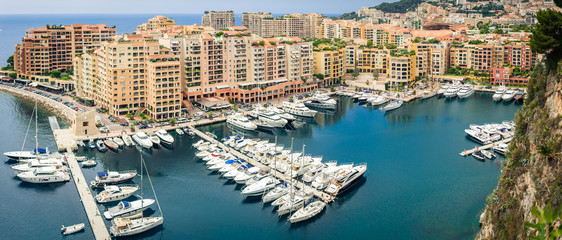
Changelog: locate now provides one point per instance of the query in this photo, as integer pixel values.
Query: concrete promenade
(485, 147)
(307, 189)
(96, 221)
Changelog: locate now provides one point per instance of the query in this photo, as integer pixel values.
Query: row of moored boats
(141, 139)
(259, 180)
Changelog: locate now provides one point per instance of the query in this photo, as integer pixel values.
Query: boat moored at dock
(142, 140)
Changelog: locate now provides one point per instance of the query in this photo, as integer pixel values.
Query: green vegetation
(319, 76)
(348, 16)
(476, 42)
(261, 43)
(13, 75)
(402, 52)
(10, 65)
(546, 225)
(547, 37)
(173, 121)
(401, 6)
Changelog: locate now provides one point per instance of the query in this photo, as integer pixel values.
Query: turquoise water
(416, 185)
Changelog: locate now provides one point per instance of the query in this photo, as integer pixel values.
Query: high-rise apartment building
(156, 23)
(254, 20)
(330, 65)
(292, 25)
(218, 20)
(52, 48)
(131, 75)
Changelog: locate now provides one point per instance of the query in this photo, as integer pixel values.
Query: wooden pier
(307, 189)
(94, 216)
(467, 152)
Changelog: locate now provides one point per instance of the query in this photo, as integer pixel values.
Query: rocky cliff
(532, 174)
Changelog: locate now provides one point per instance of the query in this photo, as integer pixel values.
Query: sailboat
(127, 226)
(29, 154)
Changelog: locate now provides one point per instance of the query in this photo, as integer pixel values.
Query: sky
(181, 6)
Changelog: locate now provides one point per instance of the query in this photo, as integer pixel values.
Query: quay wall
(51, 105)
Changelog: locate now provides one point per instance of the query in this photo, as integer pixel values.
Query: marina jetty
(94, 217)
(468, 152)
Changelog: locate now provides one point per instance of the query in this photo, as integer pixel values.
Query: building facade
(218, 20)
(52, 48)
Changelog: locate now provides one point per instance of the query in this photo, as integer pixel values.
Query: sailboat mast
(142, 197)
(291, 169)
(275, 156)
(36, 130)
(152, 186)
(302, 165)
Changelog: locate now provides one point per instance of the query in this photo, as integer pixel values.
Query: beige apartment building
(52, 48)
(370, 60)
(292, 25)
(131, 75)
(330, 65)
(431, 59)
(401, 70)
(231, 64)
(156, 23)
(218, 20)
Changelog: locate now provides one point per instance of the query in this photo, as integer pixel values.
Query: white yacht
(298, 109)
(501, 148)
(259, 188)
(279, 191)
(281, 113)
(127, 140)
(30, 166)
(322, 102)
(379, 100)
(125, 208)
(155, 140)
(498, 94)
(126, 227)
(465, 91)
(307, 212)
(245, 176)
(142, 140)
(295, 202)
(451, 92)
(241, 122)
(443, 89)
(118, 141)
(165, 136)
(428, 94)
(393, 105)
(44, 175)
(115, 193)
(27, 154)
(112, 178)
(344, 178)
(179, 131)
(272, 119)
(508, 95)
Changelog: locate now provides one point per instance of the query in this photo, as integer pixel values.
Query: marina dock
(54, 123)
(307, 189)
(467, 152)
(96, 222)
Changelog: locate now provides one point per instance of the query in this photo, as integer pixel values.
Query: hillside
(401, 6)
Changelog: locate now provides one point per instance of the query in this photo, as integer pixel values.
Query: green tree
(13, 75)
(547, 35)
(55, 74)
(355, 73)
(10, 62)
(376, 74)
(173, 121)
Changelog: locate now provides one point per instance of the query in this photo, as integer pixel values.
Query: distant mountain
(401, 6)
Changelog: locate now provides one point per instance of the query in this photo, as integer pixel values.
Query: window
(84, 124)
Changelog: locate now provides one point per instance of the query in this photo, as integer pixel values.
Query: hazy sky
(182, 6)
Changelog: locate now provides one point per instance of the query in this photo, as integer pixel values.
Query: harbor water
(416, 185)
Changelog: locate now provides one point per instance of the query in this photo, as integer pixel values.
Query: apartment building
(52, 48)
(292, 25)
(431, 59)
(254, 20)
(131, 75)
(504, 76)
(218, 20)
(373, 59)
(230, 65)
(401, 70)
(330, 65)
(519, 55)
(156, 23)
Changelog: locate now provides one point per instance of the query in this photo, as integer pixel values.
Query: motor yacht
(34, 164)
(393, 105)
(44, 175)
(241, 122)
(119, 141)
(272, 119)
(142, 140)
(101, 146)
(344, 178)
(465, 91)
(498, 95)
(155, 140)
(116, 193)
(322, 102)
(111, 144)
(112, 178)
(126, 208)
(298, 109)
(259, 188)
(451, 92)
(165, 137)
(443, 89)
(508, 95)
(127, 140)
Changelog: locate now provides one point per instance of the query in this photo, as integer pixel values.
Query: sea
(417, 186)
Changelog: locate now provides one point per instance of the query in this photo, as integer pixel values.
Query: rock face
(532, 174)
